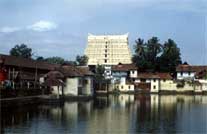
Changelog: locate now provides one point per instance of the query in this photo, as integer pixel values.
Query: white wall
(185, 75)
(71, 86)
(125, 87)
(168, 85)
(123, 80)
(155, 86)
(133, 74)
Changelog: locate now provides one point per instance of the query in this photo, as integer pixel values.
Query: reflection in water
(112, 114)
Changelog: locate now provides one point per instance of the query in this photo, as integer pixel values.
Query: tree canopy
(154, 56)
(55, 60)
(21, 51)
(81, 60)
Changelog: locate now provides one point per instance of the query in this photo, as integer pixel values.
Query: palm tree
(139, 47)
(154, 48)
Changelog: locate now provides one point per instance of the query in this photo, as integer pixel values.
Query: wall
(71, 86)
(56, 91)
(155, 85)
(133, 74)
(125, 87)
(185, 75)
(204, 84)
(88, 86)
(168, 85)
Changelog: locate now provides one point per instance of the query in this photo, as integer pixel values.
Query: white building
(153, 82)
(123, 76)
(77, 80)
(108, 49)
(188, 71)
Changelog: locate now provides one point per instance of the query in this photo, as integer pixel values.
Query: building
(76, 81)
(123, 76)
(18, 72)
(108, 50)
(189, 72)
(153, 82)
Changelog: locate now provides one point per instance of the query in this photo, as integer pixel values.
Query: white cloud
(9, 29)
(42, 26)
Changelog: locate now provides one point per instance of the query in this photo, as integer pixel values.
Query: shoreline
(48, 100)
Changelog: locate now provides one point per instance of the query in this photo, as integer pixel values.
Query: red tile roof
(27, 63)
(124, 67)
(70, 71)
(154, 76)
(189, 68)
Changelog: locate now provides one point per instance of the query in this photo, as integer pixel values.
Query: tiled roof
(27, 63)
(154, 76)
(53, 82)
(189, 68)
(69, 71)
(84, 70)
(124, 67)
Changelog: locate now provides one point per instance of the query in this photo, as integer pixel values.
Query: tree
(99, 75)
(81, 60)
(21, 51)
(140, 57)
(55, 60)
(73, 63)
(146, 54)
(170, 57)
(155, 56)
(40, 58)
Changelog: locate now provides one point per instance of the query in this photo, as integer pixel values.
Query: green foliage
(55, 60)
(21, 51)
(40, 58)
(81, 60)
(73, 63)
(170, 57)
(156, 57)
(99, 73)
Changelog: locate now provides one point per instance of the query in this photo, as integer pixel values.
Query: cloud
(42, 26)
(9, 29)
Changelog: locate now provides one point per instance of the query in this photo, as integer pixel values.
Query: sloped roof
(53, 82)
(27, 63)
(154, 76)
(189, 68)
(69, 71)
(85, 70)
(54, 74)
(124, 67)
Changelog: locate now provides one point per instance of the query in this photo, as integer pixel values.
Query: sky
(60, 27)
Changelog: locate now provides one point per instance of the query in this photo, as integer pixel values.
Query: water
(115, 114)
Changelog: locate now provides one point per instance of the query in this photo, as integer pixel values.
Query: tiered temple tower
(108, 49)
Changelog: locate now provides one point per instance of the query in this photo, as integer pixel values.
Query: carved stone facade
(108, 49)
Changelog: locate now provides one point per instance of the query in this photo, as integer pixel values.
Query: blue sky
(60, 27)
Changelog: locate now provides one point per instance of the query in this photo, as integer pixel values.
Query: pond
(112, 114)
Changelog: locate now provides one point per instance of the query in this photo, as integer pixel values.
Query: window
(105, 51)
(122, 87)
(189, 73)
(105, 55)
(129, 87)
(181, 73)
(164, 80)
(154, 87)
(105, 61)
(132, 72)
(154, 80)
